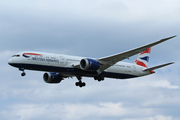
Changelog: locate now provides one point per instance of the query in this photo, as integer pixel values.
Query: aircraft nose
(10, 61)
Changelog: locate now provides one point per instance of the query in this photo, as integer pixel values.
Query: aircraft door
(62, 61)
(134, 68)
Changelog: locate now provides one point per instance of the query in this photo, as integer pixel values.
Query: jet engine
(52, 77)
(89, 64)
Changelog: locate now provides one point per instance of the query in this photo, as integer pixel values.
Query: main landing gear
(99, 78)
(80, 83)
(23, 73)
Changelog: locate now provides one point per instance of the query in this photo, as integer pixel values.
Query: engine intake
(52, 77)
(89, 64)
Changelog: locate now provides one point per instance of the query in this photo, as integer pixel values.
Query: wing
(113, 59)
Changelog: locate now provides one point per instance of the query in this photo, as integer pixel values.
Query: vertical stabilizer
(143, 58)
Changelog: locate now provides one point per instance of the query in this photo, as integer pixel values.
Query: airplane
(57, 67)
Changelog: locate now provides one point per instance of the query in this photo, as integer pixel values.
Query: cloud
(118, 10)
(70, 25)
(157, 117)
(70, 111)
(125, 100)
(156, 81)
(93, 29)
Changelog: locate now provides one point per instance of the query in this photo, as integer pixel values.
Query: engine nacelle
(52, 77)
(89, 64)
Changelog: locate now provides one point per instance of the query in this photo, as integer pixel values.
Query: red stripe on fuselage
(31, 54)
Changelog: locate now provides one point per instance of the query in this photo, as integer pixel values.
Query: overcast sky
(92, 28)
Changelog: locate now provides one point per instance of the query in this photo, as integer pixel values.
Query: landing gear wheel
(99, 78)
(83, 84)
(77, 83)
(23, 74)
(80, 84)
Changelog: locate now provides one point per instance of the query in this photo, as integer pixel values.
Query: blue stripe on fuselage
(72, 71)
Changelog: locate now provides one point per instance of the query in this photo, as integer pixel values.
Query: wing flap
(76, 65)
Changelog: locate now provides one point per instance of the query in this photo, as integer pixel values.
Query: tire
(83, 84)
(23, 74)
(77, 83)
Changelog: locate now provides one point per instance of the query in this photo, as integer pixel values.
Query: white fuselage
(66, 65)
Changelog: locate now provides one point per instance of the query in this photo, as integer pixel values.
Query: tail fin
(143, 58)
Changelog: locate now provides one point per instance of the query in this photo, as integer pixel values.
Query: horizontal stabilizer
(159, 66)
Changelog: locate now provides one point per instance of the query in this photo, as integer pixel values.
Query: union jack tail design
(143, 58)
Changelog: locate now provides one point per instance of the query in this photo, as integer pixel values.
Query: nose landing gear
(23, 73)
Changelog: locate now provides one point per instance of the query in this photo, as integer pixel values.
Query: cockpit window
(16, 56)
